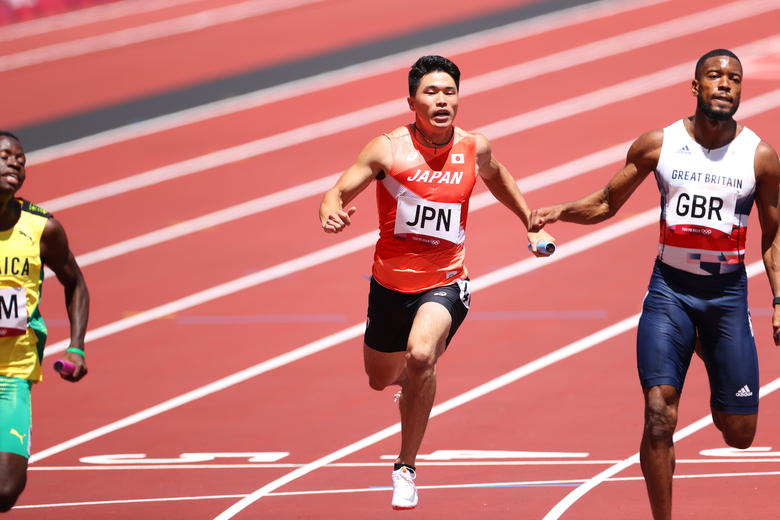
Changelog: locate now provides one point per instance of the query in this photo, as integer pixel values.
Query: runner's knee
(660, 420)
(420, 357)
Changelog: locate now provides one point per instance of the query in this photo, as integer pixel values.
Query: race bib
(439, 221)
(702, 208)
(13, 312)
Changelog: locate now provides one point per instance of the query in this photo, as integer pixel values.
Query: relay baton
(63, 367)
(546, 248)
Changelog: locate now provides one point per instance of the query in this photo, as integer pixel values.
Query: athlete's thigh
(666, 337)
(15, 416)
(440, 313)
(13, 471)
(430, 328)
(729, 353)
(390, 315)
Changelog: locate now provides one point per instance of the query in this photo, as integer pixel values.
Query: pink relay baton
(63, 367)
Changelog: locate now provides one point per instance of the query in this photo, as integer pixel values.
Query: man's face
(718, 87)
(436, 100)
(12, 161)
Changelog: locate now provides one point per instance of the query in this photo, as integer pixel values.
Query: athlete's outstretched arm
(504, 188)
(767, 169)
(56, 254)
(641, 160)
(373, 159)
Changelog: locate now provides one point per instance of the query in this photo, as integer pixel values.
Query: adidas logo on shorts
(744, 392)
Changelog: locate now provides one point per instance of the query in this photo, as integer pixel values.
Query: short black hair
(428, 64)
(712, 54)
(6, 133)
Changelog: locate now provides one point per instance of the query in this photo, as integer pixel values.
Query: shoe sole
(400, 508)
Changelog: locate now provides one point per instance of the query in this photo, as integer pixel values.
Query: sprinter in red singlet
(419, 291)
(709, 170)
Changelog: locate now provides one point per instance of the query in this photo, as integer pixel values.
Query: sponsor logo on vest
(696, 231)
(28, 237)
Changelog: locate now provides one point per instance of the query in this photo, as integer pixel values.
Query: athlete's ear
(695, 87)
(410, 100)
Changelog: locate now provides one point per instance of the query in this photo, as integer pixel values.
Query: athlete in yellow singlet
(419, 292)
(29, 239)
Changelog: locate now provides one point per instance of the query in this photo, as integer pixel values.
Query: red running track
(207, 397)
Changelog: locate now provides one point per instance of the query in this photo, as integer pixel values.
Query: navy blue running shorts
(391, 313)
(678, 307)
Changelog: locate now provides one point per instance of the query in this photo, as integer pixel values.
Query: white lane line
(590, 162)
(527, 185)
(581, 244)
(584, 243)
(551, 113)
(516, 484)
(529, 264)
(343, 465)
(232, 287)
(357, 243)
(561, 507)
(86, 16)
(210, 220)
(149, 32)
(427, 464)
(361, 71)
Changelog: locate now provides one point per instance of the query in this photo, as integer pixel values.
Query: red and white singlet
(706, 198)
(423, 205)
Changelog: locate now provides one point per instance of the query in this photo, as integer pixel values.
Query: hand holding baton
(63, 367)
(545, 248)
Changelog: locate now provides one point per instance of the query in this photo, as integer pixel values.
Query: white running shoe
(404, 490)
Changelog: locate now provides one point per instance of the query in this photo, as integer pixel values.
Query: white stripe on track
(559, 61)
(560, 508)
(488, 280)
(476, 41)
(149, 32)
(596, 160)
(527, 185)
(586, 242)
(86, 16)
(216, 218)
(514, 484)
(555, 112)
(529, 264)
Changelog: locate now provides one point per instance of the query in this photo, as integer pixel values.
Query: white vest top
(706, 198)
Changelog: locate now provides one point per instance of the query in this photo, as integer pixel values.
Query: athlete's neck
(436, 140)
(712, 134)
